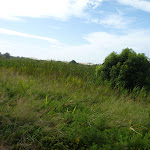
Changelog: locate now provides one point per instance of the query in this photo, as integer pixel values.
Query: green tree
(73, 62)
(7, 55)
(127, 69)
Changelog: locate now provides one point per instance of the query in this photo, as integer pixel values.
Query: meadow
(57, 105)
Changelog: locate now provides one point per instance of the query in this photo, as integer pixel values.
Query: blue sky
(81, 30)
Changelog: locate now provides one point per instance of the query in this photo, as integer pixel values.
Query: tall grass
(49, 68)
(55, 105)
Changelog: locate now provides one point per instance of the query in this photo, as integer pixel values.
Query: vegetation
(55, 105)
(127, 69)
(73, 62)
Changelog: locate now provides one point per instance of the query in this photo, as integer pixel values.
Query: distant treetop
(73, 62)
(6, 55)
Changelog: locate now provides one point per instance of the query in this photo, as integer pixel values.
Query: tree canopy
(127, 69)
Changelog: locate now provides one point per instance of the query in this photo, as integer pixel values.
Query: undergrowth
(54, 105)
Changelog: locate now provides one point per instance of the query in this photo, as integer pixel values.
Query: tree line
(5, 55)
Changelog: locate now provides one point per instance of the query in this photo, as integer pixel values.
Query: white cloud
(139, 4)
(113, 21)
(12, 32)
(135, 39)
(103, 43)
(100, 45)
(61, 9)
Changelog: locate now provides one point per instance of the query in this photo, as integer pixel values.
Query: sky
(86, 31)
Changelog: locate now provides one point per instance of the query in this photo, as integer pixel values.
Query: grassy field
(55, 105)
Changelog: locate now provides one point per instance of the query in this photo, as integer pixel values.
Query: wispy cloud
(60, 9)
(138, 4)
(115, 21)
(138, 39)
(16, 33)
(100, 44)
(112, 21)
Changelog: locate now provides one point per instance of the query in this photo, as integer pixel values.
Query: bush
(73, 62)
(127, 69)
(7, 55)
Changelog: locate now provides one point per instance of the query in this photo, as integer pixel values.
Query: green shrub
(127, 69)
(73, 62)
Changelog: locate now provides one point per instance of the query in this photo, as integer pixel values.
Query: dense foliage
(127, 69)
